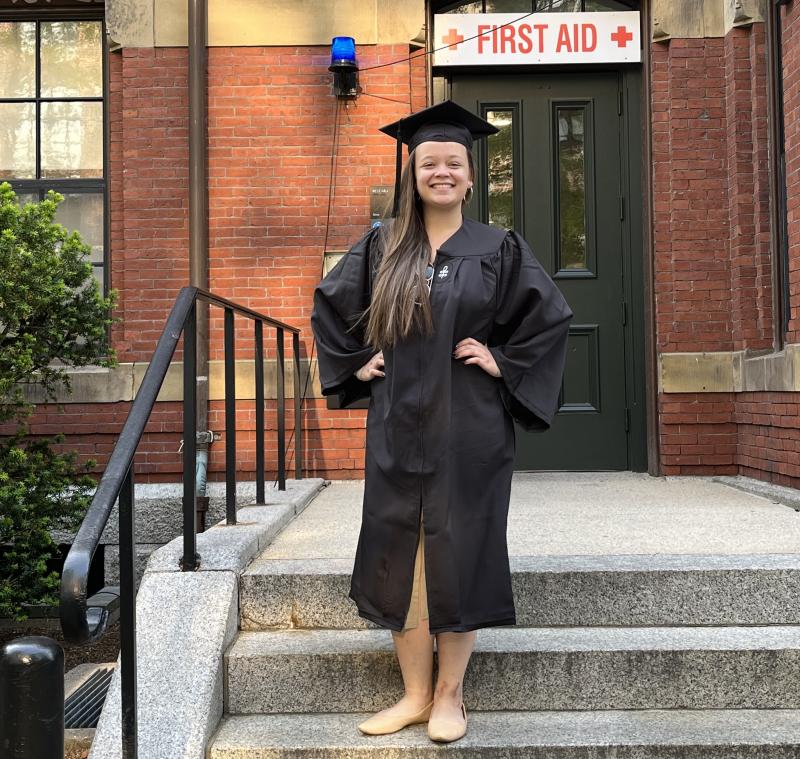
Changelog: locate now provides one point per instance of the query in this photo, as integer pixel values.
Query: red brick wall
(92, 429)
(698, 433)
(747, 181)
(754, 434)
(691, 229)
(769, 436)
(716, 293)
(691, 238)
(711, 193)
(154, 202)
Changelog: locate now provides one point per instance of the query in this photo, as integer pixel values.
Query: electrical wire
(331, 193)
(410, 98)
(381, 97)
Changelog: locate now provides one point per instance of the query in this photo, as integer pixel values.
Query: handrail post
(230, 420)
(281, 379)
(259, 338)
(298, 421)
(190, 560)
(31, 698)
(127, 614)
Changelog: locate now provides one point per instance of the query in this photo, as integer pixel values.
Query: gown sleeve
(339, 300)
(529, 336)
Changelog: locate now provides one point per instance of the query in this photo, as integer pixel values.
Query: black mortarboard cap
(443, 122)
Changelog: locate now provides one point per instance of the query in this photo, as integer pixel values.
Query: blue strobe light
(344, 67)
(343, 51)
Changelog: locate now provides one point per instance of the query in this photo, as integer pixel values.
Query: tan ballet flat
(448, 730)
(378, 725)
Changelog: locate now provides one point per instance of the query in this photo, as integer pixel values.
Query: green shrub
(52, 317)
(40, 490)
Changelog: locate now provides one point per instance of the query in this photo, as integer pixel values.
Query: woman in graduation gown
(453, 330)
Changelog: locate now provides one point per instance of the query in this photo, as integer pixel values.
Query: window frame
(779, 211)
(82, 12)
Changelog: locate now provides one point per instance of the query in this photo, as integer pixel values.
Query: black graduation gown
(440, 434)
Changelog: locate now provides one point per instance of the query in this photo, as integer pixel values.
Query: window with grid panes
(52, 119)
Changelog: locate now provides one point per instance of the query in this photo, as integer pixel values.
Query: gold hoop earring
(468, 195)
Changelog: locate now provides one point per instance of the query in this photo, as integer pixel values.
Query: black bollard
(32, 699)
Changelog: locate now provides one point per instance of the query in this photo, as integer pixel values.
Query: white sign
(478, 39)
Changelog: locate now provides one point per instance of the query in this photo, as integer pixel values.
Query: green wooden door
(553, 173)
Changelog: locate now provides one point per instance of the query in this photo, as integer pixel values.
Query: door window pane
(576, 6)
(509, 6)
(605, 5)
(17, 140)
(571, 188)
(72, 140)
(501, 169)
(84, 212)
(467, 8)
(71, 59)
(558, 6)
(17, 59)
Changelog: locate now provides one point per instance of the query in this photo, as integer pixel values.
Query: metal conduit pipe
(198, 228)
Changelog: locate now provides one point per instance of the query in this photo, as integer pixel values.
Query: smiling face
(443, 173)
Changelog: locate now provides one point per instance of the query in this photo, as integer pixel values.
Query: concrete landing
(586, 514)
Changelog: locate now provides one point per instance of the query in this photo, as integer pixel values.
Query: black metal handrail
(83, 625)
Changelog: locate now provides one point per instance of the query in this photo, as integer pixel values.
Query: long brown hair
(400, 305)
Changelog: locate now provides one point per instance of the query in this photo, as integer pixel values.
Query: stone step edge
(262, 566)
(323, 642)
(337, 733)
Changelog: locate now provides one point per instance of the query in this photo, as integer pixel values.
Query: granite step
(678, 734)
(519, 668)
(633, 590)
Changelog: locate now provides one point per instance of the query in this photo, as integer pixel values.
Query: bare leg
(454, 650)
(415, 654)
(414, 647)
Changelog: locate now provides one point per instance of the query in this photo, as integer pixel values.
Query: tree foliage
(52, 317)
(40, 490)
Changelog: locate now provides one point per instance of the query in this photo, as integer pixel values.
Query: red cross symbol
(452, 38)
(622, 36)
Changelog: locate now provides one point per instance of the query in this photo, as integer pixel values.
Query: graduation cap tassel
(397, 169)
